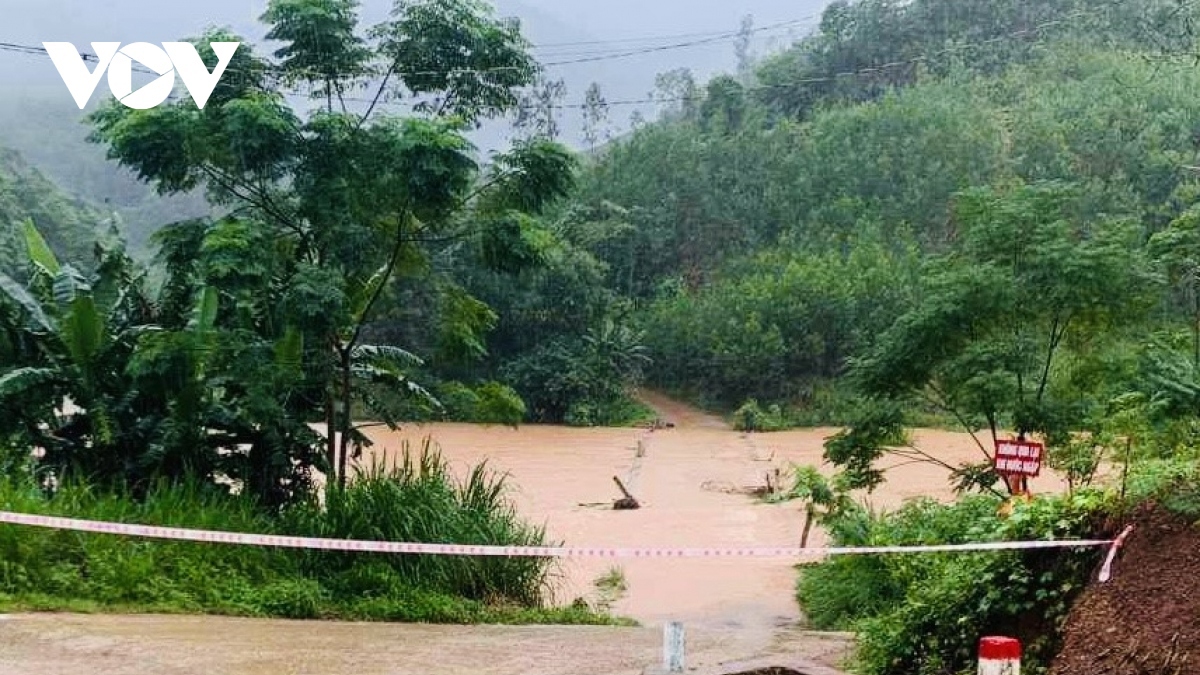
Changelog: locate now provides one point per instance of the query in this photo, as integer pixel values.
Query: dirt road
(141, 645)
(691, 482)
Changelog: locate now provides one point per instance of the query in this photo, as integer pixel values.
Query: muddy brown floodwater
(691, 482)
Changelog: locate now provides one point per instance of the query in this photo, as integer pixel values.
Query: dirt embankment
(1146, 619)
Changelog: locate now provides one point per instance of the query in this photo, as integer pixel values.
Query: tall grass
(418, 499)
(415, 500)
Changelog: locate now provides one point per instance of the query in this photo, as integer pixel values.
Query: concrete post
(999, 656)
(673, 648)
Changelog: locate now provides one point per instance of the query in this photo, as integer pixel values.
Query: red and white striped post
(999, 656)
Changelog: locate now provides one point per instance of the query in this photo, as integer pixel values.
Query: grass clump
(416, 500)
(611, 587)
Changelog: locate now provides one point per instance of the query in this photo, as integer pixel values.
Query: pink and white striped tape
(245, 539)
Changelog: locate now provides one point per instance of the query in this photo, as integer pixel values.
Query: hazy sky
(604, 18)
(634, 18)
(547, 22)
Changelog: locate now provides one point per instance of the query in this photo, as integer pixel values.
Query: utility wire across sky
(1023, 34)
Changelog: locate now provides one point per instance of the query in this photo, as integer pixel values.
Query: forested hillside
(771, 232)
(984, 215)
(71, 226)
(774, 224)
(54, 139)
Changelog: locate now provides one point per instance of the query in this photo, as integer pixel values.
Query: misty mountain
(589, 41)
(70, 226)
(621, 45)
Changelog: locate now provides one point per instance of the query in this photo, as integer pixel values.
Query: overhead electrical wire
(647, 38)
(573, 53)
(713, 38)
(561, 56)
(682, 45)
(871, 70)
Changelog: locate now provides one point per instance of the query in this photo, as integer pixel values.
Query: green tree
(1178, 249)
(1006, 320)
(824, 500)
(741, 47)
(330, 208)
(595, 116)
(540, 109)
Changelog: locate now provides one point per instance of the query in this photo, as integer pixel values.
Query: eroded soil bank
(1146, 619)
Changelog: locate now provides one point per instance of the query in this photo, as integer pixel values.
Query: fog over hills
(620, 44)
(561, 30)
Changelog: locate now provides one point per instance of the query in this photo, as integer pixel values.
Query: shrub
(489, 403)
(751, 417)
(1174, 483)
(621, 410)
(922, 614)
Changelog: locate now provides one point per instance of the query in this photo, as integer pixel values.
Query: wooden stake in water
(673, 647)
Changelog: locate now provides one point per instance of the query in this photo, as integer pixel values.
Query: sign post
(1018, 461)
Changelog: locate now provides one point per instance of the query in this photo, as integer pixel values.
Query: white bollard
(999, 656)
(673, 648)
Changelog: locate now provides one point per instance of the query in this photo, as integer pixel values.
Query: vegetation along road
(325, 305)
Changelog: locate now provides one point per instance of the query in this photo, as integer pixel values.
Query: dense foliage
(924, 614)
(979, 241)
(334, 284)
(979, 213)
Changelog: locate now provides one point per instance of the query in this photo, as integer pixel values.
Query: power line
(601, 56)
(682, 45)
(583, 52)
(41, 51)
(596, 48)
(871, 70)
(648, 38)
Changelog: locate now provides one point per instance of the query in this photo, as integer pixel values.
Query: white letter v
(199, 82)
(74, 71)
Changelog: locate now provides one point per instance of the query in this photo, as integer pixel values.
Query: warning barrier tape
(245, 539)
(1106, 570)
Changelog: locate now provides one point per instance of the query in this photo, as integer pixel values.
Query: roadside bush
(620, 411)
(751, 417)
(488, 403)
(923, 614)
(1174, 483)
(766, 325)
(583, 382)
(418, 500)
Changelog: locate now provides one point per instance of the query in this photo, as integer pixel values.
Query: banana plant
(64, 385)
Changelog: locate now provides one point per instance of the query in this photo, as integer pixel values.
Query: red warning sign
(1019, 458)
